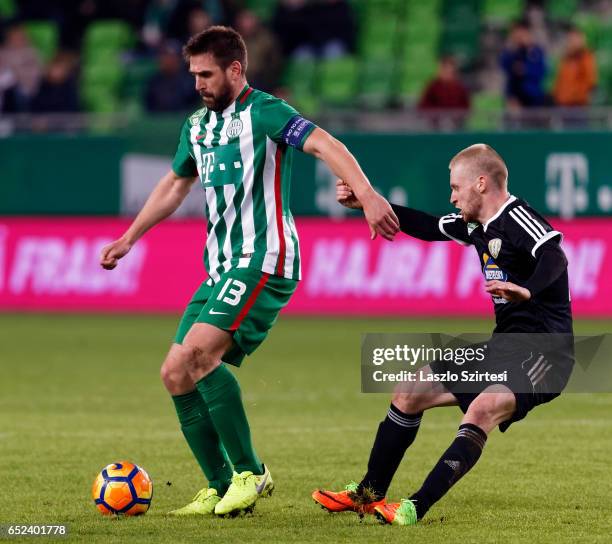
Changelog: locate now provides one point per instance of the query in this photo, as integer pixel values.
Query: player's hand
(508, 290)
(380, 216)
(112, 252)
(346, 197)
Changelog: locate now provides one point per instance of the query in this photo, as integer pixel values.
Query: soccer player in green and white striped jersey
(240, 146)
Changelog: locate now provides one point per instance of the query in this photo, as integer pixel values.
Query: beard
(471, 210)
(219, 101)
(467, 217)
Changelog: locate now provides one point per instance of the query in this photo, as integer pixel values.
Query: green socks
(221, 394)
(202, 437)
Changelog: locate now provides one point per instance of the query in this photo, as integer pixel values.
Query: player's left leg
(242, 308)
(492, 406)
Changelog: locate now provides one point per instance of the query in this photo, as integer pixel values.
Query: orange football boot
(346, 501)
(397, 513)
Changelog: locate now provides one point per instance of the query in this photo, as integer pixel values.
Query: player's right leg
(395, 434)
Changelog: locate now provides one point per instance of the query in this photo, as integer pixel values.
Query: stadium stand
(397, 48)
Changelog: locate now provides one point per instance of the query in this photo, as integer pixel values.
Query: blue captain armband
(296, 131)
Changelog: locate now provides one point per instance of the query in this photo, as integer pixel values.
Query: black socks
(456, 461)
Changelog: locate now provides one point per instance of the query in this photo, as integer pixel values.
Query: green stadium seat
(551, 74)
(461, 32)
(415, 77)
(422, 32)
(420, 8)
(306, 104)
(381, 7)
(604, 37)
(338, 80)
(603, 93)
(462, 12)
(377, 80)
(485, 106)
(503, 11)
(104, 75)
(423, 52)
(590, 24)
(561, 10)
(99, 100)
(300, 75)
(7, 8)
(44, 37)
(263, 8)
(137, 75)
(105, 38)
(378, 37)
(464, 46)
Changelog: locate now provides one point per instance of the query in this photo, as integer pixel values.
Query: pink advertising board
(52, 264)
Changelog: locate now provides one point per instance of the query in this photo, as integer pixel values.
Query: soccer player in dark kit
(525, 271)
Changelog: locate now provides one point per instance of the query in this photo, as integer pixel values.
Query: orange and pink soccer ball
(122, 488)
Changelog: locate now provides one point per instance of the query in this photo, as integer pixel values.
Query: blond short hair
(482, 159)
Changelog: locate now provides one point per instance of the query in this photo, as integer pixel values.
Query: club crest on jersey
(197, 116)
(495, 247)
(234, 129)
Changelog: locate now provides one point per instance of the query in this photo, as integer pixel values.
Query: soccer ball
(122, 488)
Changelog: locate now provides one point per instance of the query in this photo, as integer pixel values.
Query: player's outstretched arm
(377, 210)
(415, 223)
(162, 202)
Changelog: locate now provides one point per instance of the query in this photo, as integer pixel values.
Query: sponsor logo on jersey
(208, 165)
(197, 116)
(234, 129)
(491, 272)
(495, 247)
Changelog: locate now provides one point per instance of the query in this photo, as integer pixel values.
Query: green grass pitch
(79, 392)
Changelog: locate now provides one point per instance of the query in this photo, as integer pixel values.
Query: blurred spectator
(171, 88)
(264, 58)
(322, 28)
(524, 64)
(157, 16)
(58, 91)
(19, 58)
(188, 18)
(197, 22)
(445, 91)
(333, 28)
(290, 24)
(577, 74)
(76, 18)
(9, 101)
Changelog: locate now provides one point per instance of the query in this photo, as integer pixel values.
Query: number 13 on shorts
(232, 291)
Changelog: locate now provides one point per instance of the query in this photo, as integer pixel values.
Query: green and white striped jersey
(243, 157)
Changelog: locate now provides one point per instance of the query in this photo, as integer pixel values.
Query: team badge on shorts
(234, 129)
(495, 247)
